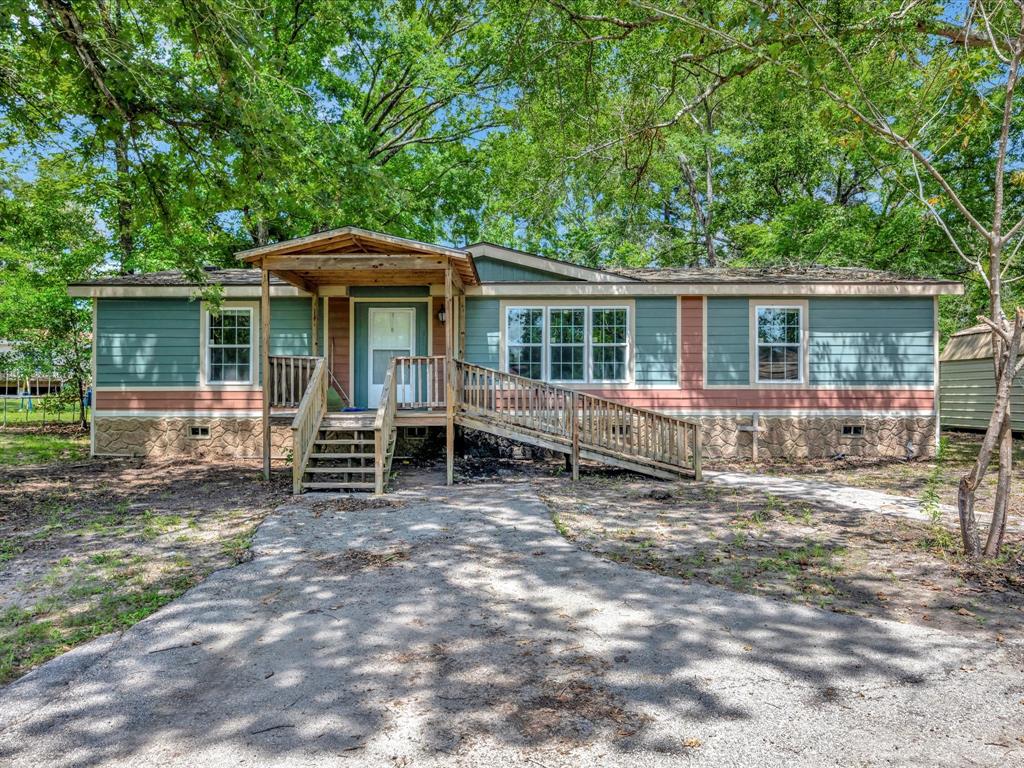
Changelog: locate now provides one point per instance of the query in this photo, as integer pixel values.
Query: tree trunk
(997, 530)
(81, 403)
(1006, 360)
(701, 212)
(125, 237)
(709, 194)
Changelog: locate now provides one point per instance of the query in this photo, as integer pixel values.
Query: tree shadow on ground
(426, 628)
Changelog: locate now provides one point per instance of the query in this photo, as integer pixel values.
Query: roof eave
(254, 254)
(557, 266)
(193, 291)
(691, 288)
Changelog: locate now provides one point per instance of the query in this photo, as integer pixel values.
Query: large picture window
(779, 344)
(525, 342)
(576, 344)
(229, 346)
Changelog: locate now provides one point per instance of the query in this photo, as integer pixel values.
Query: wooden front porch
(339, 265)
(343, 443)
(436, 391)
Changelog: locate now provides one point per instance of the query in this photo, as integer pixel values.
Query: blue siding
(147, 342)
(291, 326)
(864, 341)
(155, 342)
(728, 339)
(495, 270)
(657, 329)
(483, 329)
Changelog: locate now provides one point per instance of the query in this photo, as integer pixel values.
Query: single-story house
(354, 334)
(967, 389)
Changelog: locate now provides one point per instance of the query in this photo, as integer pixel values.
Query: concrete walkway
(461, 629)
(846, 498)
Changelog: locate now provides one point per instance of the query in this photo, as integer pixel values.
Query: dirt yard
(92, 546)
(907, 478)
(869, 565)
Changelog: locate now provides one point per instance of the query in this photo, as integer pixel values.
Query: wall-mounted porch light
(441, 316)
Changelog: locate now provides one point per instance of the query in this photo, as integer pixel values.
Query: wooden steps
(317, 486)
(342, 458)
(353, 451)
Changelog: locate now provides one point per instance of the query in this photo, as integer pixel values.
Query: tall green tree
(48, 238)
(917, 105)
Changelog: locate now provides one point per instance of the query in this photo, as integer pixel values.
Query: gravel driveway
(459, 628)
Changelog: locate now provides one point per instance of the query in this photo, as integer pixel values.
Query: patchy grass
(870, 565)
(33, 447)
(46, 412)
(93, 548)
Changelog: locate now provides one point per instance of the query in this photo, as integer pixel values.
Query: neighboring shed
(966, 383)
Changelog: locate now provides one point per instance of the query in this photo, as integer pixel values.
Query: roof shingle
(796, 274)
(713, 275)
(175, 277)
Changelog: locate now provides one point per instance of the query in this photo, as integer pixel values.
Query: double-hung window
(608, 331)
(229, 346)
(525, 341)
(568, 345)
(574, 344)
(779, 344)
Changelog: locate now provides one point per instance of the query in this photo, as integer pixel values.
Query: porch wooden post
(265, 364)
(460, 350)
(574, 432)
(449, 399)
(315, 315)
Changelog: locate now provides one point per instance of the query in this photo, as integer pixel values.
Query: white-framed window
(567, 348)
(524, 341)
(609, 334)
(779, 344)
(574, 344)
(230, 340)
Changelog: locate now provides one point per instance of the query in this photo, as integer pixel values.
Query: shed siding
(656, 351)
(728, 339)
(483, 330)
(864, 341)
(967, 395)
(495, 270)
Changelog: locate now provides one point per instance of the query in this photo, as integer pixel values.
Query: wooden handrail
(383, 428)
(420, 382)
(289, 378)
(306, 424)
(578, 420)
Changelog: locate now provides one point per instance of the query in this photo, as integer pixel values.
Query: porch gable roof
(351, 255)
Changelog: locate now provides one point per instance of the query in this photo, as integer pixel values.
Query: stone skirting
(724, 437)
(229, 438)
(817, 437)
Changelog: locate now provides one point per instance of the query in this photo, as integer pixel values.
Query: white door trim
(372, 391)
